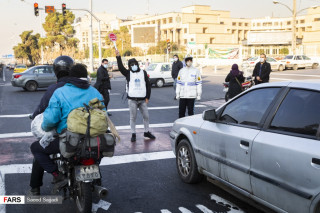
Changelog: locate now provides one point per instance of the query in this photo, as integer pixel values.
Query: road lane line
(301, 75)
(165, 211)
(140, 126)
(282, 79)
(223, 202)
(184, 210)
(109, 110)
(204, 209)
(26, 168)
(102, 204)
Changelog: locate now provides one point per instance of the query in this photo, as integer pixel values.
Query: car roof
(303, 84)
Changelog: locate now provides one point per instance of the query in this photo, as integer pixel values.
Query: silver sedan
(264, 144)
(34, 77)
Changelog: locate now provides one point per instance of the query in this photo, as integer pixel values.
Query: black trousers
(106, 97)
(36, 174)
(185, 103)
(42, 156)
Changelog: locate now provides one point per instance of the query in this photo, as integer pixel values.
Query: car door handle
(315, 163)
(244, 143)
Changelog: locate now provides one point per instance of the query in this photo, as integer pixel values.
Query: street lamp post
(294, 17)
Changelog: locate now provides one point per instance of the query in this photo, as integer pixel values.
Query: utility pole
(91, 40)
(294, 15)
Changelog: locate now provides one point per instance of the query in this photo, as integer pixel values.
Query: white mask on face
(175, 59)
(105, 66)
(134, 68)
(189, 63)
(261, 60)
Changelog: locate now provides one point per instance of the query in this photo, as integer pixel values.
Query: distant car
(251, 63)
(299, 61)
(114, 65)
(34, 77)
(20, 68)
(264, 144)
(142, 65)
(160, 74)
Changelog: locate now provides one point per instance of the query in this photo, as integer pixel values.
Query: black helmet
(62, 65)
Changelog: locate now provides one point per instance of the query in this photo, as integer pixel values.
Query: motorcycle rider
(61, 67)
(72, 95)
(189, 87)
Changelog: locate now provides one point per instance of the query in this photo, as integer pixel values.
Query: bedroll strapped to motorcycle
(77, 121)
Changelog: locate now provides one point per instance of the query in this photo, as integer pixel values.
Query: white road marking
(140, 126)
(282, 79)
(223, 202)
(165, 211)
(109, 110)
(184, 210)
(203, 208)
(26, 168)
(300, 75)
(102, 204)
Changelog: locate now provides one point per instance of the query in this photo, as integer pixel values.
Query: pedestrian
(262, 70)
(189, 87)
(139, 91)
(176, 67)
(235, 79)
(147, 64)
(103, 84)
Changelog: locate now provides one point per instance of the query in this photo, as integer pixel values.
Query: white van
(160, 74)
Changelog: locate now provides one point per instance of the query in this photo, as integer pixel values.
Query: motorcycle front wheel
(84, 198)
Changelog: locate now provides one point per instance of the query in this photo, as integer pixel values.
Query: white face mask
(175, 59)
(105, 65)
(261, 60)
(134, 68)
(189, 63)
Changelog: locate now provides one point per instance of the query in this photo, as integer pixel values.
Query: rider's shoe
(34, 191)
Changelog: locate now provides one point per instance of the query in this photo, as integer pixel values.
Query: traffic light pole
(99, 32)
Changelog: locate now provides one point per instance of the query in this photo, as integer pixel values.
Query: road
(142, 177)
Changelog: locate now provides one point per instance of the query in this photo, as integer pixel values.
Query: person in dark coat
(176, 67)
(103, 84)
(61, 67)
(235, 79)
(262, 70)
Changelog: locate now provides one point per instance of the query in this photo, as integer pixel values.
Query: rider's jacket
(71, 96)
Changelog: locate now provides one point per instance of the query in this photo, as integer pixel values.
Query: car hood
(190, 121)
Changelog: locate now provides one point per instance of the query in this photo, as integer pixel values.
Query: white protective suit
(189, 83)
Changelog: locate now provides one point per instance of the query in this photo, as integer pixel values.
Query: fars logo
(17, 199)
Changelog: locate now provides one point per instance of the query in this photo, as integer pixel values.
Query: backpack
(78, 119)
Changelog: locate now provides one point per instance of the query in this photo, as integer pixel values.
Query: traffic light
(168, 44)
(36, 9)
(64, 7)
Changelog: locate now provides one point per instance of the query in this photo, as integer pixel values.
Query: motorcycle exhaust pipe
(100, 191)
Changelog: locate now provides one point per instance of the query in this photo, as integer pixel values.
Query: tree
(59, 34)
(284, 51)
(28, 48)
(123, 40)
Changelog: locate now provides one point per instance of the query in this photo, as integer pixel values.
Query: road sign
(112, 37)
(49, 9)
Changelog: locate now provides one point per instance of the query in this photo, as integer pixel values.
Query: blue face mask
(134, 68)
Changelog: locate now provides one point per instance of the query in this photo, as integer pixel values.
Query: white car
(160, 74)
(251, 63)
(263, 144)
(299, 61)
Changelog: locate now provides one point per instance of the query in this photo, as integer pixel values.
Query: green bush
(93, 75)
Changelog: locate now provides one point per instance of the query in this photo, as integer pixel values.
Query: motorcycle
(78, 160)
(246, 85)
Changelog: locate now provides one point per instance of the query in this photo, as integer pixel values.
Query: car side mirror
(209, 115)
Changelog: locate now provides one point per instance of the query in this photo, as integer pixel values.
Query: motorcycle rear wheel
(84, 198)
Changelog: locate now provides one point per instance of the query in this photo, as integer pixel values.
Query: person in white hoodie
(189, 87)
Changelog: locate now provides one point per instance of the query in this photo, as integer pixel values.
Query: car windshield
(288, 57)
(152, 67)
(30, 70)
(253, 59)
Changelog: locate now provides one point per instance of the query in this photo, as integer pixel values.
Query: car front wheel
(160, 83)
(186, 163)
(281, 68)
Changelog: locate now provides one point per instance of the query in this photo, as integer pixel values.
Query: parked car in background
(20, 68)
(264, 144)
(34, 77)
(251, 63)
(299, 61)
(142, 65)
(160, 74)
(114, 66)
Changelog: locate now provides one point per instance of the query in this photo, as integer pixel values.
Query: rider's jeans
(36, 174)
(43, 155)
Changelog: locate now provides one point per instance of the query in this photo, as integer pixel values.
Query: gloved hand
(177, 97)
(198, 98)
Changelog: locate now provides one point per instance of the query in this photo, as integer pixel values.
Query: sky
(17, 16)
